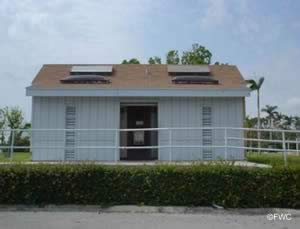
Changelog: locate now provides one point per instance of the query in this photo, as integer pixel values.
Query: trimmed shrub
(196, 185)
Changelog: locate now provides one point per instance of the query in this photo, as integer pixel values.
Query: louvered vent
(207, 133)
(70, 133)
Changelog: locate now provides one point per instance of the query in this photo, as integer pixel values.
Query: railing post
(284, 149)
(64, 148)
(297, 147)
(116, 145)
(12, 142)
(170, 145)
(226, 143)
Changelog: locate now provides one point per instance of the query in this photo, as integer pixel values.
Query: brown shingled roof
(138, 76)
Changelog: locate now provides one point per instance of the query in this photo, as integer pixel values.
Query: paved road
(87, 220)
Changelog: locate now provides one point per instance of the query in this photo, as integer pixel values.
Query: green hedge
(198, 185)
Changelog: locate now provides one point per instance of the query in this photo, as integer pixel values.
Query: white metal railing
(225, 138)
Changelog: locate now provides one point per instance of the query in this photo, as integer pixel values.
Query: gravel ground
(86, 220)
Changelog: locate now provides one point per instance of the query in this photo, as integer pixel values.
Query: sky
(261, 37)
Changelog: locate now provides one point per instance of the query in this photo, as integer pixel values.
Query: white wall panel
(187, 112)
(103, 112)
(91, 112)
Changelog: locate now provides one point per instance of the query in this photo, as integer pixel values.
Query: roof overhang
(134, 92)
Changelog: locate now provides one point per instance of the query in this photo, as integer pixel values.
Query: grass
(274, 159)
(17, 157)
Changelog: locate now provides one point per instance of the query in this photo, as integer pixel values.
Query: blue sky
(260, 37)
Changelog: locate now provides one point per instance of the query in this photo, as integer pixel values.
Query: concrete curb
(148, 209)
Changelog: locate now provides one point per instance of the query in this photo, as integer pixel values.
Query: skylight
(188, 70)
(194, 80)
(91, 70)
(85, 79)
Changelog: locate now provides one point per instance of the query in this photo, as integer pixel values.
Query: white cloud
(241, 20)
(215, 14)
(71, 31)
(292, 106)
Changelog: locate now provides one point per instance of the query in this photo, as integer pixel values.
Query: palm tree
(279, 120)
(288, 122)
(2, 125)
(256, 86)
(297, 122)
(271, 113)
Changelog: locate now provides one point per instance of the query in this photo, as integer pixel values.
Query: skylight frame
(91, 70)
(188, 70)
(183, 79)
(85, 79)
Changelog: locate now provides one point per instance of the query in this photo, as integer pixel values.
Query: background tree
(256, 86)
(297, 122)
(288, 122)
(197, 55)
(218, 63)
(279, 120)
(2, 126)
(131, 61)
(14, 119)
(172, 57)
(271, 114)
(154, 60)
(250, 123)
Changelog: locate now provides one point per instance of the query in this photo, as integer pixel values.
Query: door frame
(136, 103)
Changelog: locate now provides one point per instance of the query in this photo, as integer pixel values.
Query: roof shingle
(138, 76)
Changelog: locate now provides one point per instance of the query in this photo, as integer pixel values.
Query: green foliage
(2, 126)
(274, 159)
(218, 63)
(198, 185)
(131, 61)
(13, 118)
(255, 86)
(17, 157)
(172, 57)
(154, 60)
(197, 55)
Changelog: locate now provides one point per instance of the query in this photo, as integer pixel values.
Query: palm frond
(260, 82)
(252, 84)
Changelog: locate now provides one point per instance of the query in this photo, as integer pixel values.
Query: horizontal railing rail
(226, 138)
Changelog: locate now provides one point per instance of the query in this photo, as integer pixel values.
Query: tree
(14, 120)
(2, 125)
(250, 123)
(131, 61)
(218, 63)
(279, 119)
(197, 55)
(256, 86)
(14, 117)
(271, 114)
(288, 122)
(297, 122)
(172, 57)
(154, 60)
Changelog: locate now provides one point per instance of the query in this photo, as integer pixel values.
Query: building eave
(135, 92)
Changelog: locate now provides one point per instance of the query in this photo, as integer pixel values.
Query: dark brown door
(139, 117)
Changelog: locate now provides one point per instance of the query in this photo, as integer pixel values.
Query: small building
(136, 112)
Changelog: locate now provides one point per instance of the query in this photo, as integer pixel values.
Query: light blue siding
(91, 113)
(104, 112)
(187, 112)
